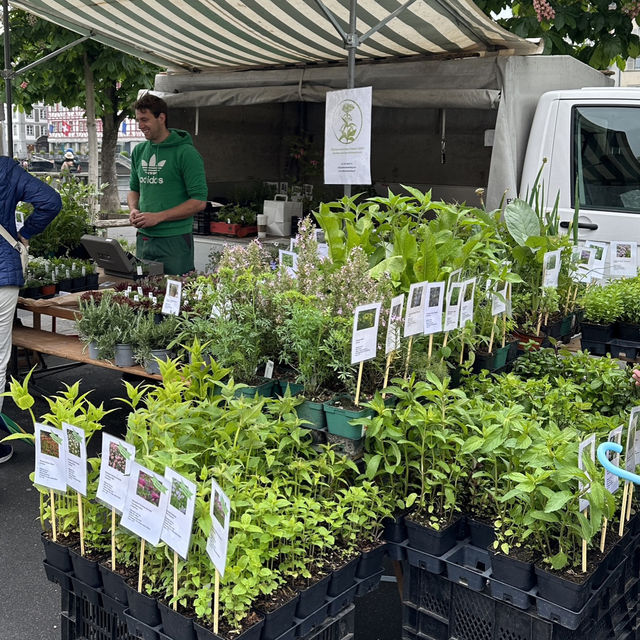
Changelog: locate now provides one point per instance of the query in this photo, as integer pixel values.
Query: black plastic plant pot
(85, 570)
(114, 585)
(175, 625)
(313, 597)
(57, 554)
(512, 354)
(64, 285)
(512, 571)
(429, 540)
(79, 283)
(62, 578)
(482, 534)
(597, 332)
(139, 629)
(90, 594)
(142, 607)
(371, 562)
(394, 529)
(566, 325)
(485, 361)
(563, 592)
(627, 331)
(202, 633)
(624, 349)
(92, 281)
(343, 578)
(278, 621)
(313, 413)
(594, 348)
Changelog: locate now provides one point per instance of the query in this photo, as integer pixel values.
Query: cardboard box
(279, 214)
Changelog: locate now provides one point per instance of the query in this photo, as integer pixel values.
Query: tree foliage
(597, 32)
(118, 78)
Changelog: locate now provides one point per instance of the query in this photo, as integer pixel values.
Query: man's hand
(142, 220)
(635, 377)
(24, 241)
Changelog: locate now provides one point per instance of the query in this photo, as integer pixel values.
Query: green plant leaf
(522, 221)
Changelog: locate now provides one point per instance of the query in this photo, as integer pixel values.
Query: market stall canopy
(232, 34)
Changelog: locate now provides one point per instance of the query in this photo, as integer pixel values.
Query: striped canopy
(232, 34)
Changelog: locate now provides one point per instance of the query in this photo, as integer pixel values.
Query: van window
(606, 157)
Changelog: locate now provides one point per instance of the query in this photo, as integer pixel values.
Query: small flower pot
(339, 420)
(139, 629)
(278, 621)
(313, 597)
(530, 342)
(56, 554)
(592, 332)
(78, 283)
(343, 578)
(265, 390)
(142, 607)
(114, 585)
(313, 413)
(91, 281)
(93, 350)
(371, 562)
(512, 571)
(394, 529)
(237, 230)
(124, 355)
(565, 593)
(294, 387)
(491, 361)
(482, 534)
(175, 625)
(152, 365)
(432, 541)
(30, 292)
(252, 633)
(85, 570)
(48, 290)
(64, 285)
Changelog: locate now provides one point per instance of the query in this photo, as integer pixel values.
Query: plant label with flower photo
(589, 446)
(364, 337)
(218, 540)
(394, 325)
(115, 468)
(551, 263)
(452, 313)
(414, 315)
(51, 467)
(499, 300)
(76, 448)
(178, 520)
(433, 308)
(583, 257)
(624, 261)
(612, 480)
(172, 298)
(599, 258)
(466, 305)
(145, 506)
(630, 446)
(289, 260)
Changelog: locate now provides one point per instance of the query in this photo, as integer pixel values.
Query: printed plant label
(218, 541)
(289, 260)
(452, 313)
(551, 264)
(51, 466)
(76, 456)
(414, 316)
(611, 480)
(394, 325)
(624, 261)
(364, 339)
(146, 503)
(466, 305)
(115, 468)
(586, 448)
(172, 298)
(433, 308)
(499, 300)
(178, 520)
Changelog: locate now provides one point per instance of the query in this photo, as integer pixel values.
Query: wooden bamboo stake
(81, 521)
(504, 328)
(603, 534)
(629, 503)
(406, 367)
(493, 333)
(113, 539)
(446, 337)
(539, 325)
(546, 319)
(584, 547)
(54, 530)
(430, 346)
(387, 369)
(623, 509)
(216, 602)
(359, 383)
(175, 580)
(141, 568)
(566, 306)
(461, 351)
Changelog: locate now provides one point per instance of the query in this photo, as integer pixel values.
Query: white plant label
(140, 291)
(583, 257)
(635, 442)
(115, 468)
(76, 449)
(364, 338)
(289, 260)
(452, 313)
(586, 448)
(139, 269)
(630, 446)
(146, 503)
(433, 308)
(178, 520)
(293, 243)
(611, 480)
(268, 369)
(454, 276)
(172, 298)
(624, 260)
(414, 316)
(394, 325)
(599, 258)
(499, 300)
(551, 264)
(466, 305)
(218, 541)
(51, 468)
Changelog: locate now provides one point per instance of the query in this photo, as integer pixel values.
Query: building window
(29, 129)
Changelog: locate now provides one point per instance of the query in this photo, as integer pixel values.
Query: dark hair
(149, 102)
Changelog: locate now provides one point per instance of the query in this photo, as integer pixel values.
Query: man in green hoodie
(167, 188)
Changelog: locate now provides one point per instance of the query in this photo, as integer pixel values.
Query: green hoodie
(166, 175)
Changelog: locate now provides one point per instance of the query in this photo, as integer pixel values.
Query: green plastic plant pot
(265, 389)
(314, 413)
(294, 387)
(339, 419)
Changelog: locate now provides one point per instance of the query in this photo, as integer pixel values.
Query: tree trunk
(111, 121)
(92, 134)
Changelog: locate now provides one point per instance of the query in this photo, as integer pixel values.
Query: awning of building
(233, 34)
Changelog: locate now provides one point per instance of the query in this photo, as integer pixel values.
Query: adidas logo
(151, 168)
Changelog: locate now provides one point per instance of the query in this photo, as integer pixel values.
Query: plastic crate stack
(455, 597)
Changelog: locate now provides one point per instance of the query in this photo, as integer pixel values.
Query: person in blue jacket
(16, 185)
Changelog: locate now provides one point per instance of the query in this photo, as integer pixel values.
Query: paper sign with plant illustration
(599, 258)
(218, 540)
(76, 447)
(289, 260)
(624, 260)
(178, 520)
(115, 468)
(172, 298)
(587, 448)
(51, 467)
(414, 315)
(146, 503)
(583, 258)
(452, 313)
(611, 480)
(433, 308)
(466, 304)
(394, 324)
(499, 299)
(551, 263)
(364, 338)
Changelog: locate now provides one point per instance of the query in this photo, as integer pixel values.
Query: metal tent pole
(7, 77)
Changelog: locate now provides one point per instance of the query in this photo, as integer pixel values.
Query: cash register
(115, 261)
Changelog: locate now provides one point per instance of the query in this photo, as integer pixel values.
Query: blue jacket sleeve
(46, 201)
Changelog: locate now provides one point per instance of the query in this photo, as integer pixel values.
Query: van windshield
(606, 157)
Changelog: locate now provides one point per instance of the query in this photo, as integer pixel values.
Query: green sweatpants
(175, 252)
